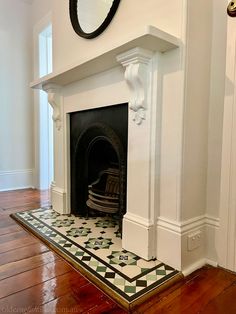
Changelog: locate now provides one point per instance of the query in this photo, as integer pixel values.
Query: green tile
(101, 269)
(79, 253)
(160, 272)
(130, 289)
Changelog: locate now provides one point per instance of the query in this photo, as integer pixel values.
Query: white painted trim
(188, 225)
(226, 241)
(16, 179)
(174, 235)
(37, 29)
(138, 220)
(150, 38)
(58, 199)
(212, 221)
(140, 66)
(168, 246)
(211, 262)
(193, 267)
(132, 225)
(199, 264)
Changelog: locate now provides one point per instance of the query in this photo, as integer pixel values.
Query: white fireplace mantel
(151, 38)
(137, 58)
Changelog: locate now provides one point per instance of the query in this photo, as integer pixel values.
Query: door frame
(227, 233)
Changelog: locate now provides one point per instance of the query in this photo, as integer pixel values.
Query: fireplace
(127, 76)
(98, 159)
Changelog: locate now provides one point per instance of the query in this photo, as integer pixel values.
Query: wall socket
(194, 240)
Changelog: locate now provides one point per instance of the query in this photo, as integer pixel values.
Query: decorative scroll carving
(54, 100)
(138, 66)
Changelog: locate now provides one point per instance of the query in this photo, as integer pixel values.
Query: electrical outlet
(194, 240)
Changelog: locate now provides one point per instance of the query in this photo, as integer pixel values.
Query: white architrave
(137, 63)
(54, 99)
(227, 233)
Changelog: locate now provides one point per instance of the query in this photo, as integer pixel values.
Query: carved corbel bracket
(137, 63)
(54, 99)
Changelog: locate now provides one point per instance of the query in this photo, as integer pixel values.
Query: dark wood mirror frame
(76, 25)
(231, 9)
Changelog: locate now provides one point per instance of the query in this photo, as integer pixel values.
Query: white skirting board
(143, 245)
(16, 179)
(58, 199)
(173, 247)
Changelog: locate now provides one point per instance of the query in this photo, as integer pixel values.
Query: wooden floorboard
(22, 253)
(10, 229)
(34, 279)
(23, 265)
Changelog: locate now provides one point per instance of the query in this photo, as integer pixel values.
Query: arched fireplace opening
(98, 161)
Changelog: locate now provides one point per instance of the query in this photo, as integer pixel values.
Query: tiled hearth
(93, 245)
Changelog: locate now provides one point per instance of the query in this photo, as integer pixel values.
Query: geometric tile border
(124, 289)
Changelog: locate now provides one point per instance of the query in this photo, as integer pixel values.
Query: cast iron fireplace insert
(98, 144)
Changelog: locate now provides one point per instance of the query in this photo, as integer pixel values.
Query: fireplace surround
(126, 74)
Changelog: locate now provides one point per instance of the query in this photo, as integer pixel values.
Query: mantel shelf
(152, 39)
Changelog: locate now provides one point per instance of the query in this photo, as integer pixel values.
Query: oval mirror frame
(231, 9)
(77, 27)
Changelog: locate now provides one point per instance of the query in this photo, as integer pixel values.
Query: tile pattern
(95, 244)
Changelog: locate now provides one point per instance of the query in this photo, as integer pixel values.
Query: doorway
(44, 173)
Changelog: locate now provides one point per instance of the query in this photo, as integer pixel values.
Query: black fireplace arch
(97, 147)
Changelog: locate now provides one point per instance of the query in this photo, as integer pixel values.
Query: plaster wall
(217, 89)
(39, 9)
(203, 101)
(131, 16)
(16, 127)
(197, 87)
(215, 127)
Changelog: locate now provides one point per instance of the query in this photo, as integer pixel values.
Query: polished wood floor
(34, 279)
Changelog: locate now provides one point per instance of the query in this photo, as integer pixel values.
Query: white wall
(40, 16)
(16, 123)
(215, 126)
(131, 16)
(40, 9)
(202, 138)
(197, 86)
(217, 88)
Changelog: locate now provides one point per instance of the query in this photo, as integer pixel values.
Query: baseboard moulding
(174, 235)
(16, 179)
